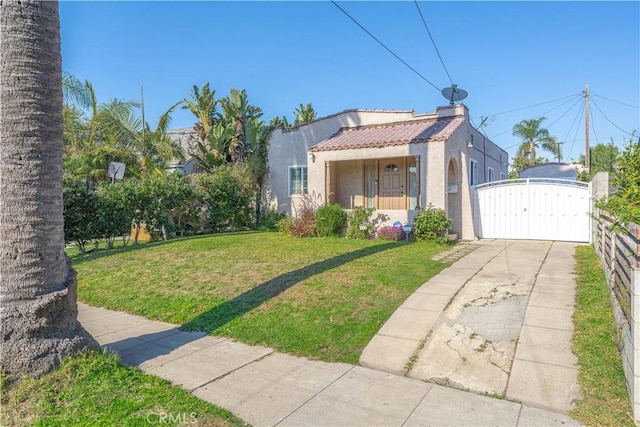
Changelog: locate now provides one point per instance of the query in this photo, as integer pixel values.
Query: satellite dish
(454, 94)
(116, 170)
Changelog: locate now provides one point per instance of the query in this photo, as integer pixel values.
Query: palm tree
(238, 112)
(533, 137)
(37, 282)
(122, 128)
(202, 104)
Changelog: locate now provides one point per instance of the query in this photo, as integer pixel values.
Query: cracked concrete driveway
(494, 337)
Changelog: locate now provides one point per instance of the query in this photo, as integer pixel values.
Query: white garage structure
(533, 208)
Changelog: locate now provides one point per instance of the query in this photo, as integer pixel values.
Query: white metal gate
(533, 208)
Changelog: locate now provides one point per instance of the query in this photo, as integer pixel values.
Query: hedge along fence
(165, 205)
(619, 251)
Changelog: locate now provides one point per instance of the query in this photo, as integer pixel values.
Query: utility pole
(587, 160)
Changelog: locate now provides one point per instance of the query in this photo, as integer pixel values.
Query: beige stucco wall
(349, 186)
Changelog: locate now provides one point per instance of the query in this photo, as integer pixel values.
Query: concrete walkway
(267, 388)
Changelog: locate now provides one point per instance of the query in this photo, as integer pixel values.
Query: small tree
(432, 224)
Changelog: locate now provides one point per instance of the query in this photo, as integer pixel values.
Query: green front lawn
(323, 298)
(96, 390)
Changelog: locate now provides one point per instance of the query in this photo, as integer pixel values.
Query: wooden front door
(391, 187)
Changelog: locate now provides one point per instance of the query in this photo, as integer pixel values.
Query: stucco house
(395, 161)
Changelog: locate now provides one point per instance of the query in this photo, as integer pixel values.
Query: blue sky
(506, 55)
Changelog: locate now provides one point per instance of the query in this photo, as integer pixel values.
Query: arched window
(391, 168)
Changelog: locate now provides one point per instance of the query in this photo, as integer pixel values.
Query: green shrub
(432, 224)
(81, 224)
(330, 220)
(227, 197)
(115, 212)
(361, 224)
(624, 202)
(269, 221)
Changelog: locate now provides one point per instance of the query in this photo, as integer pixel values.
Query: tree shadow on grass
(224, 313)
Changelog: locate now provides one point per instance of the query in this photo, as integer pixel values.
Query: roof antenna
(454, 94)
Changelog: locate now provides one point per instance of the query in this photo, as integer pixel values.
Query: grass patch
(322, 298)
(96, 390)
(605, 400)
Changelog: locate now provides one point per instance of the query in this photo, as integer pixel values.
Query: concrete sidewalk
(267, 388)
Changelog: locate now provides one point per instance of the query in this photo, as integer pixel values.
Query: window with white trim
(503, 176)
(473, 172)
(297, 180)
(489, 174)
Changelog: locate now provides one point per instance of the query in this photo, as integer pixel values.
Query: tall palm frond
(534, 136)
(74, 92)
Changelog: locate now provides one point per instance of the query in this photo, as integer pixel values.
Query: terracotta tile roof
(390, 134)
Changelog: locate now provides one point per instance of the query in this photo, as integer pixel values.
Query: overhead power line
(608, 119)
(580, 113)
(531, 106)
(563, 114)
(384, 46)
(613, 100)
(578, 98)
(433, 41)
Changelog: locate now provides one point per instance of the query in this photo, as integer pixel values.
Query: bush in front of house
(269, 221)
(432, 224)
(330, 220)
(361, 223)
(304, 223)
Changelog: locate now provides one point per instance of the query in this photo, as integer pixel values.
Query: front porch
(389, 185)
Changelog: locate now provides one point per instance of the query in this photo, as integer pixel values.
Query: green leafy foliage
(362, 224)
(432, 224)
(269, 220)
(226, 196)
(79, 208)
(624, 203)
(115, 211)
(330, 220)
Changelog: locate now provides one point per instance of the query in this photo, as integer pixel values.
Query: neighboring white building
(395, 161)
(553, 170)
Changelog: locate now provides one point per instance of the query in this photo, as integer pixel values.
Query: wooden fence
(619, 250)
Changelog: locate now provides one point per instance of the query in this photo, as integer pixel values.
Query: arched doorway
(454, 196)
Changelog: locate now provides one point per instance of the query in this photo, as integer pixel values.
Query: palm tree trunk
(38, 307)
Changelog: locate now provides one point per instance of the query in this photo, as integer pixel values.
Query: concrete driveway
(497, 322)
